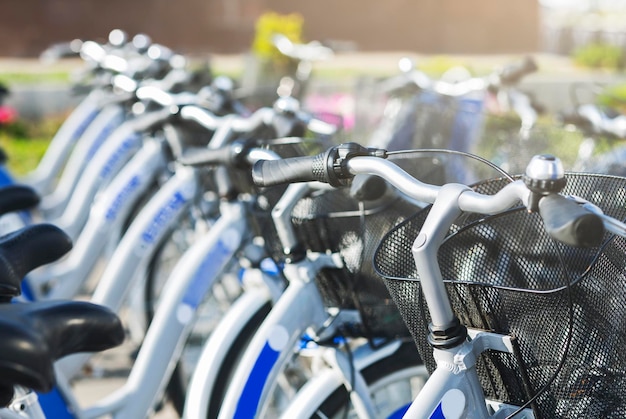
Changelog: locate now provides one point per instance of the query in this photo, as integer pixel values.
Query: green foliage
(599, 55)
(614, 97)
(501, 140)
(25, 143)
(437, 65)
(55, 77)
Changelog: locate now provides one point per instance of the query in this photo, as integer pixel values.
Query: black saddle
(34, 335)
(26, 249)
(17, 198)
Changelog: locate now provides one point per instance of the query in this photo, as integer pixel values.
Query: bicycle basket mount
(504, 274)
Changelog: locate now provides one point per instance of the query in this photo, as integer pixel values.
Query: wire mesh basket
(564, 306)
(333, 221)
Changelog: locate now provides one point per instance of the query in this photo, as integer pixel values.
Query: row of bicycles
(266, 263)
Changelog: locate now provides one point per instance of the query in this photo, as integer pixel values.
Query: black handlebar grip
(291, 170)
(514, 72)
(569, 223)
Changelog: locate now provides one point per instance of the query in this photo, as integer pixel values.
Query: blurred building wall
(27, 27)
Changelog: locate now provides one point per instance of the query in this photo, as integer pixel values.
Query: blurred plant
(437, 65)
(7, 115)
(599, 55)
(614, 97)
(270, 24)
(25, 142)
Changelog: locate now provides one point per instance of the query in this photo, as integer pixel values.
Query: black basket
(333, 221)
(503, 273)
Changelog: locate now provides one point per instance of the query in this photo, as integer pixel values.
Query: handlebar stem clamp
(447, 337)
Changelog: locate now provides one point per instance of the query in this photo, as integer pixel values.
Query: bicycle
(422, 112)
(601, 127)
(100, 107)
(116, 100)
(493, 357)
(153, 225)
(349, 302)
(133, 164)
(329, 295)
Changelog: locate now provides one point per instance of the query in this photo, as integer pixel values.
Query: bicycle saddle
(26, 249)
(17, 198)
(34, 335)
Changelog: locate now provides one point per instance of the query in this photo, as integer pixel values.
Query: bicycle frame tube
(106, 220)
(218, 346)
(94, 136)
(192, 278)
(61, 144)
(107, 162)
(299, 307)
(138, 245)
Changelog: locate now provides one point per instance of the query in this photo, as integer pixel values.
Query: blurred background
(572, 41)
(227, 26)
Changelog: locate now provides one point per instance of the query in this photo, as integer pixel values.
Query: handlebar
(236, 154)
(513, 73)
(506, 76)
(596, 120)
(313, 51)
(261, 117)
(61, 50)
(565, 220)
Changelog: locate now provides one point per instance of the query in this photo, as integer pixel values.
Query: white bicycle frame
(106, 219)
(300, 308)
(192, 278)
(260, 290)
(107, 162)
(107, 120)
(44, 175)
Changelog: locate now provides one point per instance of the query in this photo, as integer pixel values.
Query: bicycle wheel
(393, 382)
